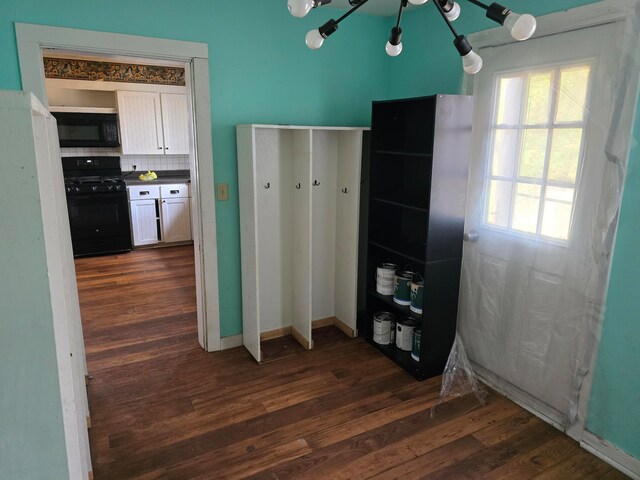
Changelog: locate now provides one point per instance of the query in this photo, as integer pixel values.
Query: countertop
(164, 177)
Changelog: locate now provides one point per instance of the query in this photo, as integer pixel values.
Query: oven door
(99, 223)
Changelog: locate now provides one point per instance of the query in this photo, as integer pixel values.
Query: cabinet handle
(344, 190)
(167, 148)
(144, 193)
(159, 148)
(268, 185)
(298, 186)
(316, 183)
(173, 192)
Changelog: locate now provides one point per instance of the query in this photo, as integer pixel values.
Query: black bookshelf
(412, 214)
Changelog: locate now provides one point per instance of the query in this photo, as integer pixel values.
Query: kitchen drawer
(139, 192)
(175, 190)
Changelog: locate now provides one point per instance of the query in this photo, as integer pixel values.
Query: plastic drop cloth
(544, 193)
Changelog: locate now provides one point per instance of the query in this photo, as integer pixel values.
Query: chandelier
(522, 27)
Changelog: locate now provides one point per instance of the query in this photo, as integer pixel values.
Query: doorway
(32, 40)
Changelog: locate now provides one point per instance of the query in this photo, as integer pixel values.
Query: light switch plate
(223, 191)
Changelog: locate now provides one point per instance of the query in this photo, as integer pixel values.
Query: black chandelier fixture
(521, 27)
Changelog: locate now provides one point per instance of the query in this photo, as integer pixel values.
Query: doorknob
(473, 236)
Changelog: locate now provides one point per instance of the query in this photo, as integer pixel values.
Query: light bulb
(454, 13)
(471, 62)
(522, 27)
(393, 50)
(314, 39)
(299, 8)
(418, 2)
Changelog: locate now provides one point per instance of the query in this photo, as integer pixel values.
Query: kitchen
(125, 141)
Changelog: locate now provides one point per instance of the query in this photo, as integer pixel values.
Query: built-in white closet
(299, 201)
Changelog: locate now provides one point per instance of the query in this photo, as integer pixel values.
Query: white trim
(615, 457)
(113, 86)
(231, 342)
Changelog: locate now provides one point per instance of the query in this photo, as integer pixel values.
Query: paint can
(404, 333)
(417, 341)
(385, 274)
(384, 328)
(417, 295)
(402, 288)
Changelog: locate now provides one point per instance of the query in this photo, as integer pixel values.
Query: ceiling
(372, 7)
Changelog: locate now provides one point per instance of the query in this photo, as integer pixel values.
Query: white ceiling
(372, 7)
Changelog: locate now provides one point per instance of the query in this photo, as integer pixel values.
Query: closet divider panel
(299, 186)
(248, 239)
(346, 239)
(324, 168)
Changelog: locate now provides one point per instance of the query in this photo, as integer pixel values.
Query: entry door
(533, 284)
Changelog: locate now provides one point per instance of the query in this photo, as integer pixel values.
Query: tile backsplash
(142, 162)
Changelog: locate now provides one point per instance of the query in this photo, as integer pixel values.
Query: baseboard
(277, 333)
(615, 457)
(231, 342)
(346, 329)
(323, 322)
(306, 343)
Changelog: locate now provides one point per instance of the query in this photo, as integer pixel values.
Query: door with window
(532, 283)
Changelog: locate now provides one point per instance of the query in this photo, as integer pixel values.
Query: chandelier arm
(403, 4)
(351, 11)
(444, 16)
(479, 4)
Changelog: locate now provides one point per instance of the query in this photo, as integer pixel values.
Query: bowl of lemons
(148, 177)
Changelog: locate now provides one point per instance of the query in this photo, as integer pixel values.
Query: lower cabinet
(160, 214)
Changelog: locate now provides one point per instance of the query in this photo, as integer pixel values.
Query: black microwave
(87, 129)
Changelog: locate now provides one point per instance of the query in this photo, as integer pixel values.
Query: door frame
(591, 15)
(33, 39)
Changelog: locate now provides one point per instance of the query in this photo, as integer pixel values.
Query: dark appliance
(97, 204)
(87, 129)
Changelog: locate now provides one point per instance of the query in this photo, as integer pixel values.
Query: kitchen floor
(161, 408)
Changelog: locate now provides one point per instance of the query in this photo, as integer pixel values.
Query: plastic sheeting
(551, 135)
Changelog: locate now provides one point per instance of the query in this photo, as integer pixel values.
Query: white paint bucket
(384, 328)
(384, 278)
(404, 334)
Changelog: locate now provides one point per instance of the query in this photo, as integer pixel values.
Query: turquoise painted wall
(429, 65)
(260, 70)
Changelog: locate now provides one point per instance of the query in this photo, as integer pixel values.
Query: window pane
(539, 96)
(558, 204)
(509, 100)
(499, 201)
(534, 148)
(525, 208)
(573, 94)
(565, 154)
(504, 152)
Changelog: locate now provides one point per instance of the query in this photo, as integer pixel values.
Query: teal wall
(426, 66)
(260, 70)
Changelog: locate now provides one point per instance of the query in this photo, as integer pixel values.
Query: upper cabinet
(153, 123)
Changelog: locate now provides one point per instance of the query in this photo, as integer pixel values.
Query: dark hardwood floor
(162, 408)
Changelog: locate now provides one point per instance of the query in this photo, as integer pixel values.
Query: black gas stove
(98, 205)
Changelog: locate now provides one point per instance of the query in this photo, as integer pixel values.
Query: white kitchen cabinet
(299, 210)
(145, 214)
(176, 213)
(160, 214)
(153, 123)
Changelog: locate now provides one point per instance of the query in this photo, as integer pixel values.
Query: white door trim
(31, 39)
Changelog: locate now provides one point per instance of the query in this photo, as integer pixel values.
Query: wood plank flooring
(162, 408)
